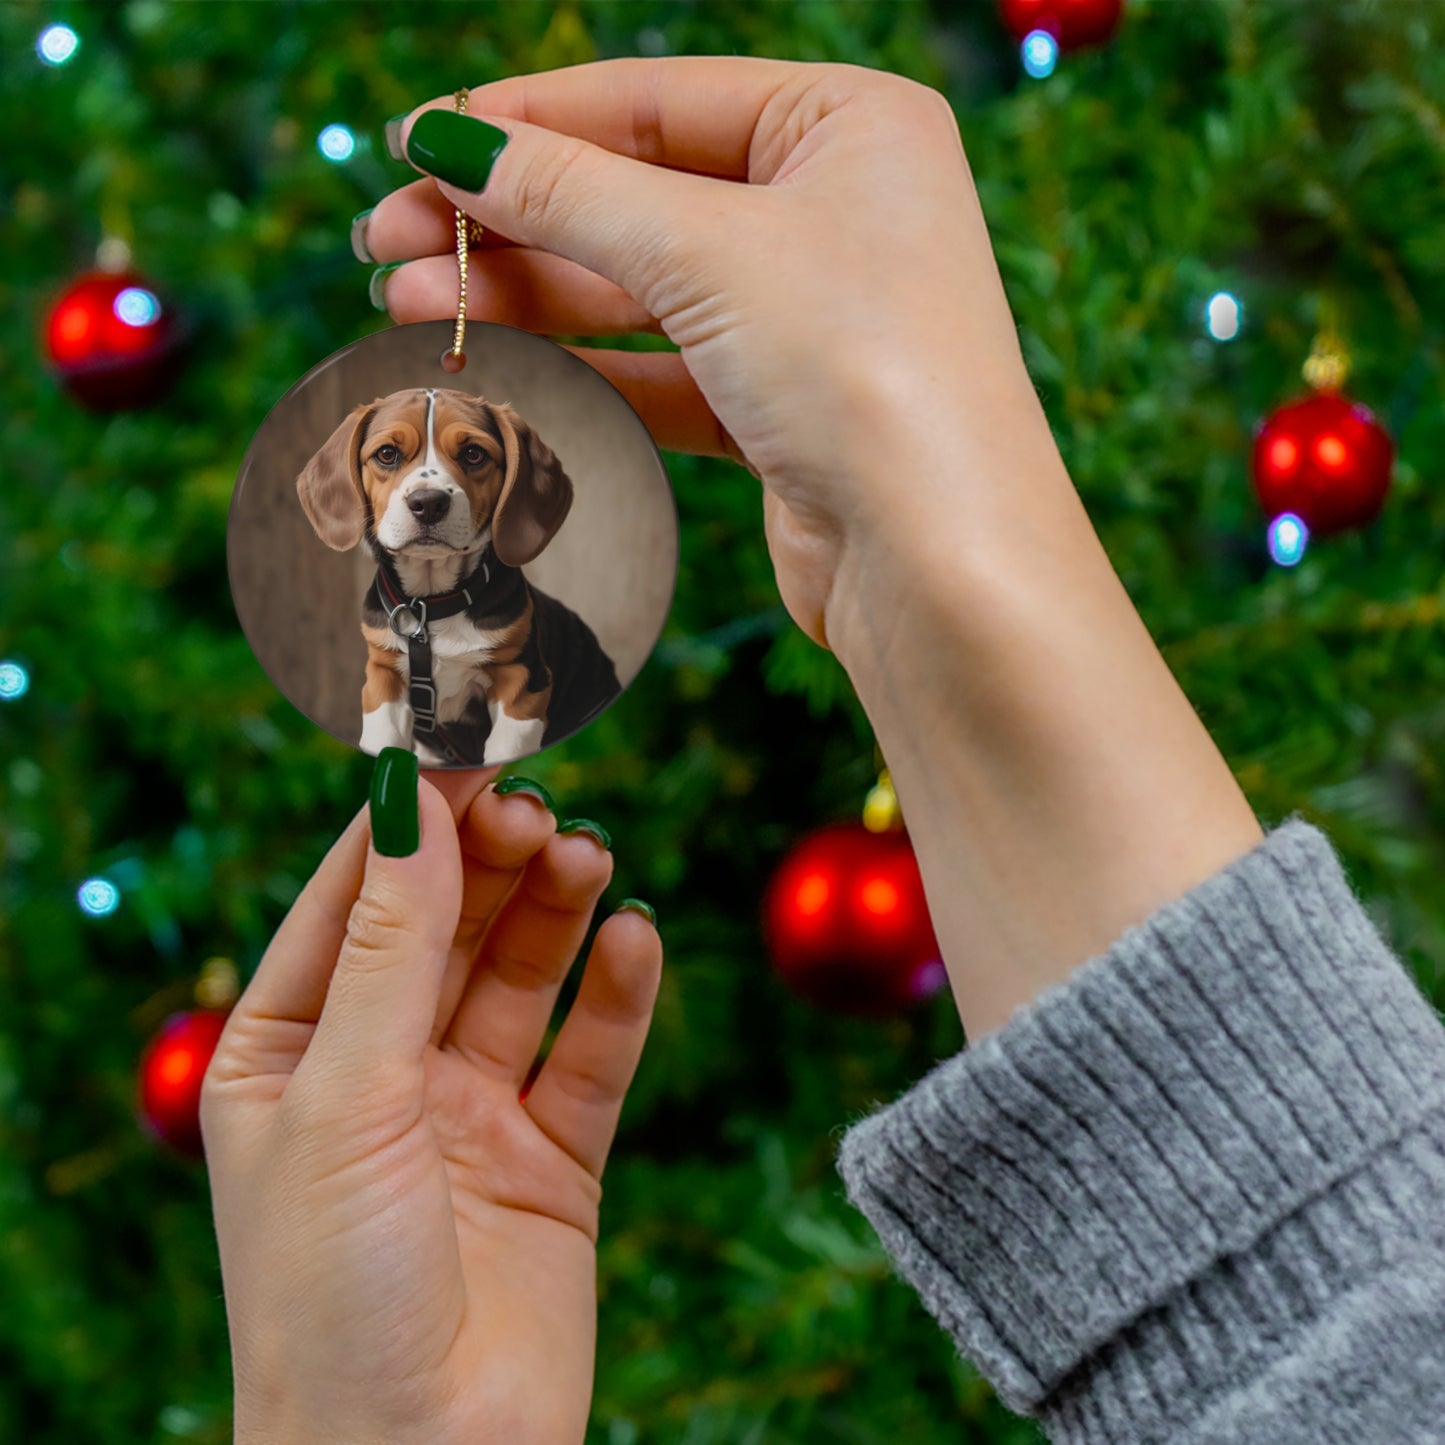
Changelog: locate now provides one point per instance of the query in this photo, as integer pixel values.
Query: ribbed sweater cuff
(1168, 1151)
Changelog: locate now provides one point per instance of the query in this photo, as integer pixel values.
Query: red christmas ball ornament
(171, 1072)
(112, 341)
(847, 924)
(1324, 458)
(1073, 23)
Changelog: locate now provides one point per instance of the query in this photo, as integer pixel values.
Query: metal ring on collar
(415, 611)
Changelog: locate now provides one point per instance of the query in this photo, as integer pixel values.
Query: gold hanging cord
(471, 231)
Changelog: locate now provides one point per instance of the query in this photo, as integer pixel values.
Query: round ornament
(172, 1070)
(112, 341)
(847, 923)
(470, 565)
(1324, 458)
(1072, 23)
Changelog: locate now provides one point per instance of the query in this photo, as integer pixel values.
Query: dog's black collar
(408, 616)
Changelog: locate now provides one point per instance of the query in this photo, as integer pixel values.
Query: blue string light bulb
(57, 44)
(14, 680)
(1223, 316)
(1040, 52)
(98, 897)
(336, 143)
(1288, 538)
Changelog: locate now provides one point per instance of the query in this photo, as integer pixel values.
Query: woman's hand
(408, 1247)
(810, 237)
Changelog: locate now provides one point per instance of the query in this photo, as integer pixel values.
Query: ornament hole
(453, 361)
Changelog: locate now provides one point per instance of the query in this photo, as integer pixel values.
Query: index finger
(696, 113)
(460, 787)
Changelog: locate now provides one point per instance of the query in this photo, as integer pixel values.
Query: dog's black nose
(429, 505)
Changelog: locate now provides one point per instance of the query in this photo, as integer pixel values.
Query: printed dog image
(468, 662)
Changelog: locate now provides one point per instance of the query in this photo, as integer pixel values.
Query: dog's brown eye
(387, 455)
(472, 455)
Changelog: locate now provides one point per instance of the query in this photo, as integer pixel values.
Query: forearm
(1057, 784)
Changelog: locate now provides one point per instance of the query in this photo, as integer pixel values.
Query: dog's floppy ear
(330, 484)
(536, 493)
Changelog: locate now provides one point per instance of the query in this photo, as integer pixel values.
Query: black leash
(409, 617)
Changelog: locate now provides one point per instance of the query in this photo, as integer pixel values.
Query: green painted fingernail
(515, 784)
(392, 132)
(586, 825)
(636, 905)
(395, 825)
(359, 247)
(455, 148)
(377, 288)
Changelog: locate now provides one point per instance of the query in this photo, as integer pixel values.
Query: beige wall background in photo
(614, 561)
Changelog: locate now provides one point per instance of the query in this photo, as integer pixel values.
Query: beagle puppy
(453, 494)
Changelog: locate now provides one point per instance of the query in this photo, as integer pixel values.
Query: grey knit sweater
(1196, 1192)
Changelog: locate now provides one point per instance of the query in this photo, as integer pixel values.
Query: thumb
(633, 223)
(382, 1000)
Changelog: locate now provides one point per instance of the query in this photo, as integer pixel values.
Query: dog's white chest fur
(460, 652)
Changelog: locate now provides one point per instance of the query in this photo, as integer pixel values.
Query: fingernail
(376, 288)
(359, 247)
(455, 148)
(526, 785)
(393, 136)
(586, 825)
(395, 826)
(636, 905)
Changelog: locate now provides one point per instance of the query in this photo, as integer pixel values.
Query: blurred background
(1188, 207)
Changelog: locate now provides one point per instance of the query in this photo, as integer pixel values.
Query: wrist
(946, 515)
(282, 1430)
(1057, 784)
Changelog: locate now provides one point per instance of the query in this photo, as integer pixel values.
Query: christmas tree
(1211, 160)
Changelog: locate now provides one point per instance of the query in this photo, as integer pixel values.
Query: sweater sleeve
(1196, 1192)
